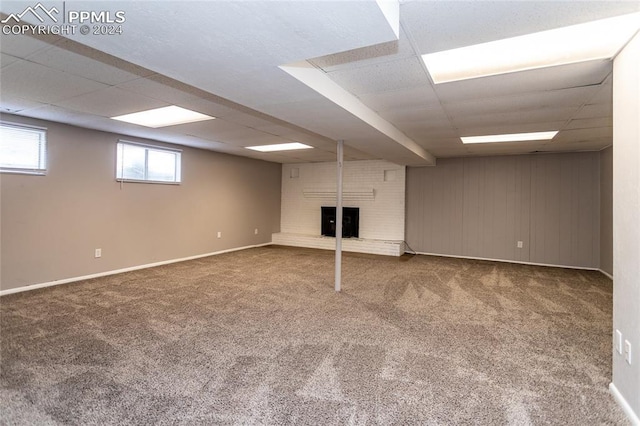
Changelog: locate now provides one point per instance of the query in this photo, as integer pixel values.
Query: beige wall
(480, 207)
(50, 225)
(606, 210)
(626, 222)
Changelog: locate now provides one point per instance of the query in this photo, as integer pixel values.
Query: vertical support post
(339, 217)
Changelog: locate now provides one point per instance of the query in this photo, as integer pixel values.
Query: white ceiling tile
(578, 135)
(267, 88)
(159, 87)
(330, 147)
(516, 117)
(278, 130)
(448, 152)
(503, 128)
(382, 144)
(10, 102)
(434, 141)
(254, 139)
(595, 111)
(39, 83)
(213, 129)
(523, 102)
(63, 115)
(504, 148)
(204, 106)
(589, 123)
(305, 155)
(377, 78)
(169, 135)
(255, 121)
(351, 153)
(7, 60)
(323, 117)
(423, 115)
(80, 60)
(289, 159)
(419, 133)
(605, 94)
(589, 145)
(278, 157)
(245, 42)
(22, 46)
(544, 79)
(414, 97)
(377, 53)
(301, 135)
(111, 102)
(441, 142)
(442, 25)
(208, 145)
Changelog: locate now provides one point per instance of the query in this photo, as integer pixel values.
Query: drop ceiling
(225, 59)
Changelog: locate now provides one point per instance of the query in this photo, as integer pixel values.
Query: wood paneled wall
(482, 206)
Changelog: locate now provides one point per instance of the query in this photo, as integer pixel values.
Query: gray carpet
(260, 337)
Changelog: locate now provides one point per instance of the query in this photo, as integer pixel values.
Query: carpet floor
(260, 337)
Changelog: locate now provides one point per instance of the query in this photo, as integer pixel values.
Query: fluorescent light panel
(279, 147)
(162, 117)
(515, 137)
(600, 39)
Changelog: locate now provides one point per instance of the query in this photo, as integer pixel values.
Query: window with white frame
(23, 149)
(147, 163)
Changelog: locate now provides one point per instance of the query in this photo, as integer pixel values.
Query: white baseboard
(510, 261)
(635, 420)
(119, 271)
(606, 273)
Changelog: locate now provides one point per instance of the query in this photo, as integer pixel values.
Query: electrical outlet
(98, 253)
(520, 244)
(219, 234)
(627, 351)
(619, 342)
(255, 231)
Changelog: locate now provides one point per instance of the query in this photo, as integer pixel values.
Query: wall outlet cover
(618, 342)
(627, 351)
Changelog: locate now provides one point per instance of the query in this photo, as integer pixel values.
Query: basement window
(147, 163)
(23, 149)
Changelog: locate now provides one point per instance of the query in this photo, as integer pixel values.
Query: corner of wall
(606, 210)
(626, 227)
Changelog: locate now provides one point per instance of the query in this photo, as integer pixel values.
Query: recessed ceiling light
(515, 137)
(600, 39)
(279, 147)
(162, 117)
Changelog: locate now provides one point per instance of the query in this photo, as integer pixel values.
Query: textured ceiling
(224, 59)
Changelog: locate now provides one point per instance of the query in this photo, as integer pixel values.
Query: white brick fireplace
(376, 187)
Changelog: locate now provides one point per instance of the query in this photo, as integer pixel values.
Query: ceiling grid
(227, 64)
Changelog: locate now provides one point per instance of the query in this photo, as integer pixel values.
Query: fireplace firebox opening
(350, 222)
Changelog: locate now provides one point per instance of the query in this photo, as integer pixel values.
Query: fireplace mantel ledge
(347, 194)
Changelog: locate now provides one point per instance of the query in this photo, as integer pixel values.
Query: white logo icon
(34, 11)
